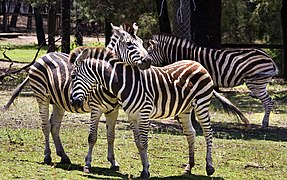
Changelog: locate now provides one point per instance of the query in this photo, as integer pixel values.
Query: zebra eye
(73, 76)
(129, 44)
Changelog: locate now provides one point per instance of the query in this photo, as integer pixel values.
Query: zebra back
(228, 67)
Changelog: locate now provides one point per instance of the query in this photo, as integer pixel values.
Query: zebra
(158, 92)
(228, 68)
(49, 78)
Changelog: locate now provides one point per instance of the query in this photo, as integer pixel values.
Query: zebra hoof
(209, 170)
(115, 168)
(186, 172)
(145, 175)
(88, 169)
(48, 160)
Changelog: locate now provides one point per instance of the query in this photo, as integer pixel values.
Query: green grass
(20, 53)
(238, 153)
(25, 53)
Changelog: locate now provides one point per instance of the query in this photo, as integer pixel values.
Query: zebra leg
(140, 131)
(46, 128)
(111, 118)
(189, 132)
(202, 115)
(260, 92)
(56, 119)
(92, 139)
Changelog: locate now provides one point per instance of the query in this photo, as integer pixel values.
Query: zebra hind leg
(46, 128)
(92, 139)
(203, 117)
(260, 92)
(111, 118)
(56, 119)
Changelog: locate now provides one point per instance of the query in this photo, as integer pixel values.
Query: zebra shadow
(106, 173)
(96, 173)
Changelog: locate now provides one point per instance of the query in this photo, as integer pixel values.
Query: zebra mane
(92, 52)
(130, 28)
(168, 38)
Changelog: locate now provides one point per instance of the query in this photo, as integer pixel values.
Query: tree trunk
(66, 8)
(14, 17)
(162, 11)
(5, 19)
(108, 31)
(51, 27)
(284, 36)
(39, 27)
(29, 20)
(206, 23)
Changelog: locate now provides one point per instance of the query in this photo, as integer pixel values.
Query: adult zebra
(158, 92)
(49, 78)
(228, 68)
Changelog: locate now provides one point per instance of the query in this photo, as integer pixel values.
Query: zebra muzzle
(145, 63)
(77, 103)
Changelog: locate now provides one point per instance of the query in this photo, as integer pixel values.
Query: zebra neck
(104, 73)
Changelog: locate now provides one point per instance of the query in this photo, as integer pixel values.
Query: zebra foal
(228, 68)
(158, 92)
(49, 78)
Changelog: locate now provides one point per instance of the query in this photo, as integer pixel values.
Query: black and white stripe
(49, 78)
(173, 90)
(228, 68)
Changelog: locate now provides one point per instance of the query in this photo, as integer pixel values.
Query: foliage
(256, 21)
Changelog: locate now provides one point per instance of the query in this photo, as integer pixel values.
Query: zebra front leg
(111, 118)
(141, 139)
(55, 121)
(260, 92)
(92, 139)
(46, 128)
(202, 115)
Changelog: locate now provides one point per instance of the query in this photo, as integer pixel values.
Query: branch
(9, 71)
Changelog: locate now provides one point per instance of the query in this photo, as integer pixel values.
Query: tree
(39, 26)
(162, 11)
(66, 8)
(51, 26)
(13, 21)
(284, 35)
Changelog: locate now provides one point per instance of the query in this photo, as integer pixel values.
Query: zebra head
(129, 47)
(83, 79)
(156, 52)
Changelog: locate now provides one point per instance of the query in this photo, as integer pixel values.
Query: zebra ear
(116, 29)
(135, 26)
(82, 56)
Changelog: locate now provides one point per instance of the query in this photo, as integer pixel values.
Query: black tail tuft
(230, 108)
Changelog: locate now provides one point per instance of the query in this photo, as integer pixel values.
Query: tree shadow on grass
(225, 130)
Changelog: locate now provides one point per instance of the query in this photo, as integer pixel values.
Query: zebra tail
(15, 94)
(230, 108)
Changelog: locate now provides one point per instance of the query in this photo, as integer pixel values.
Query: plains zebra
(49, 78)
(158, 92)
(228, 68)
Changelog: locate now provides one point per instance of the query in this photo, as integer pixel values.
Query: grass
(238, 152)
(20, 53)
(25, 53)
